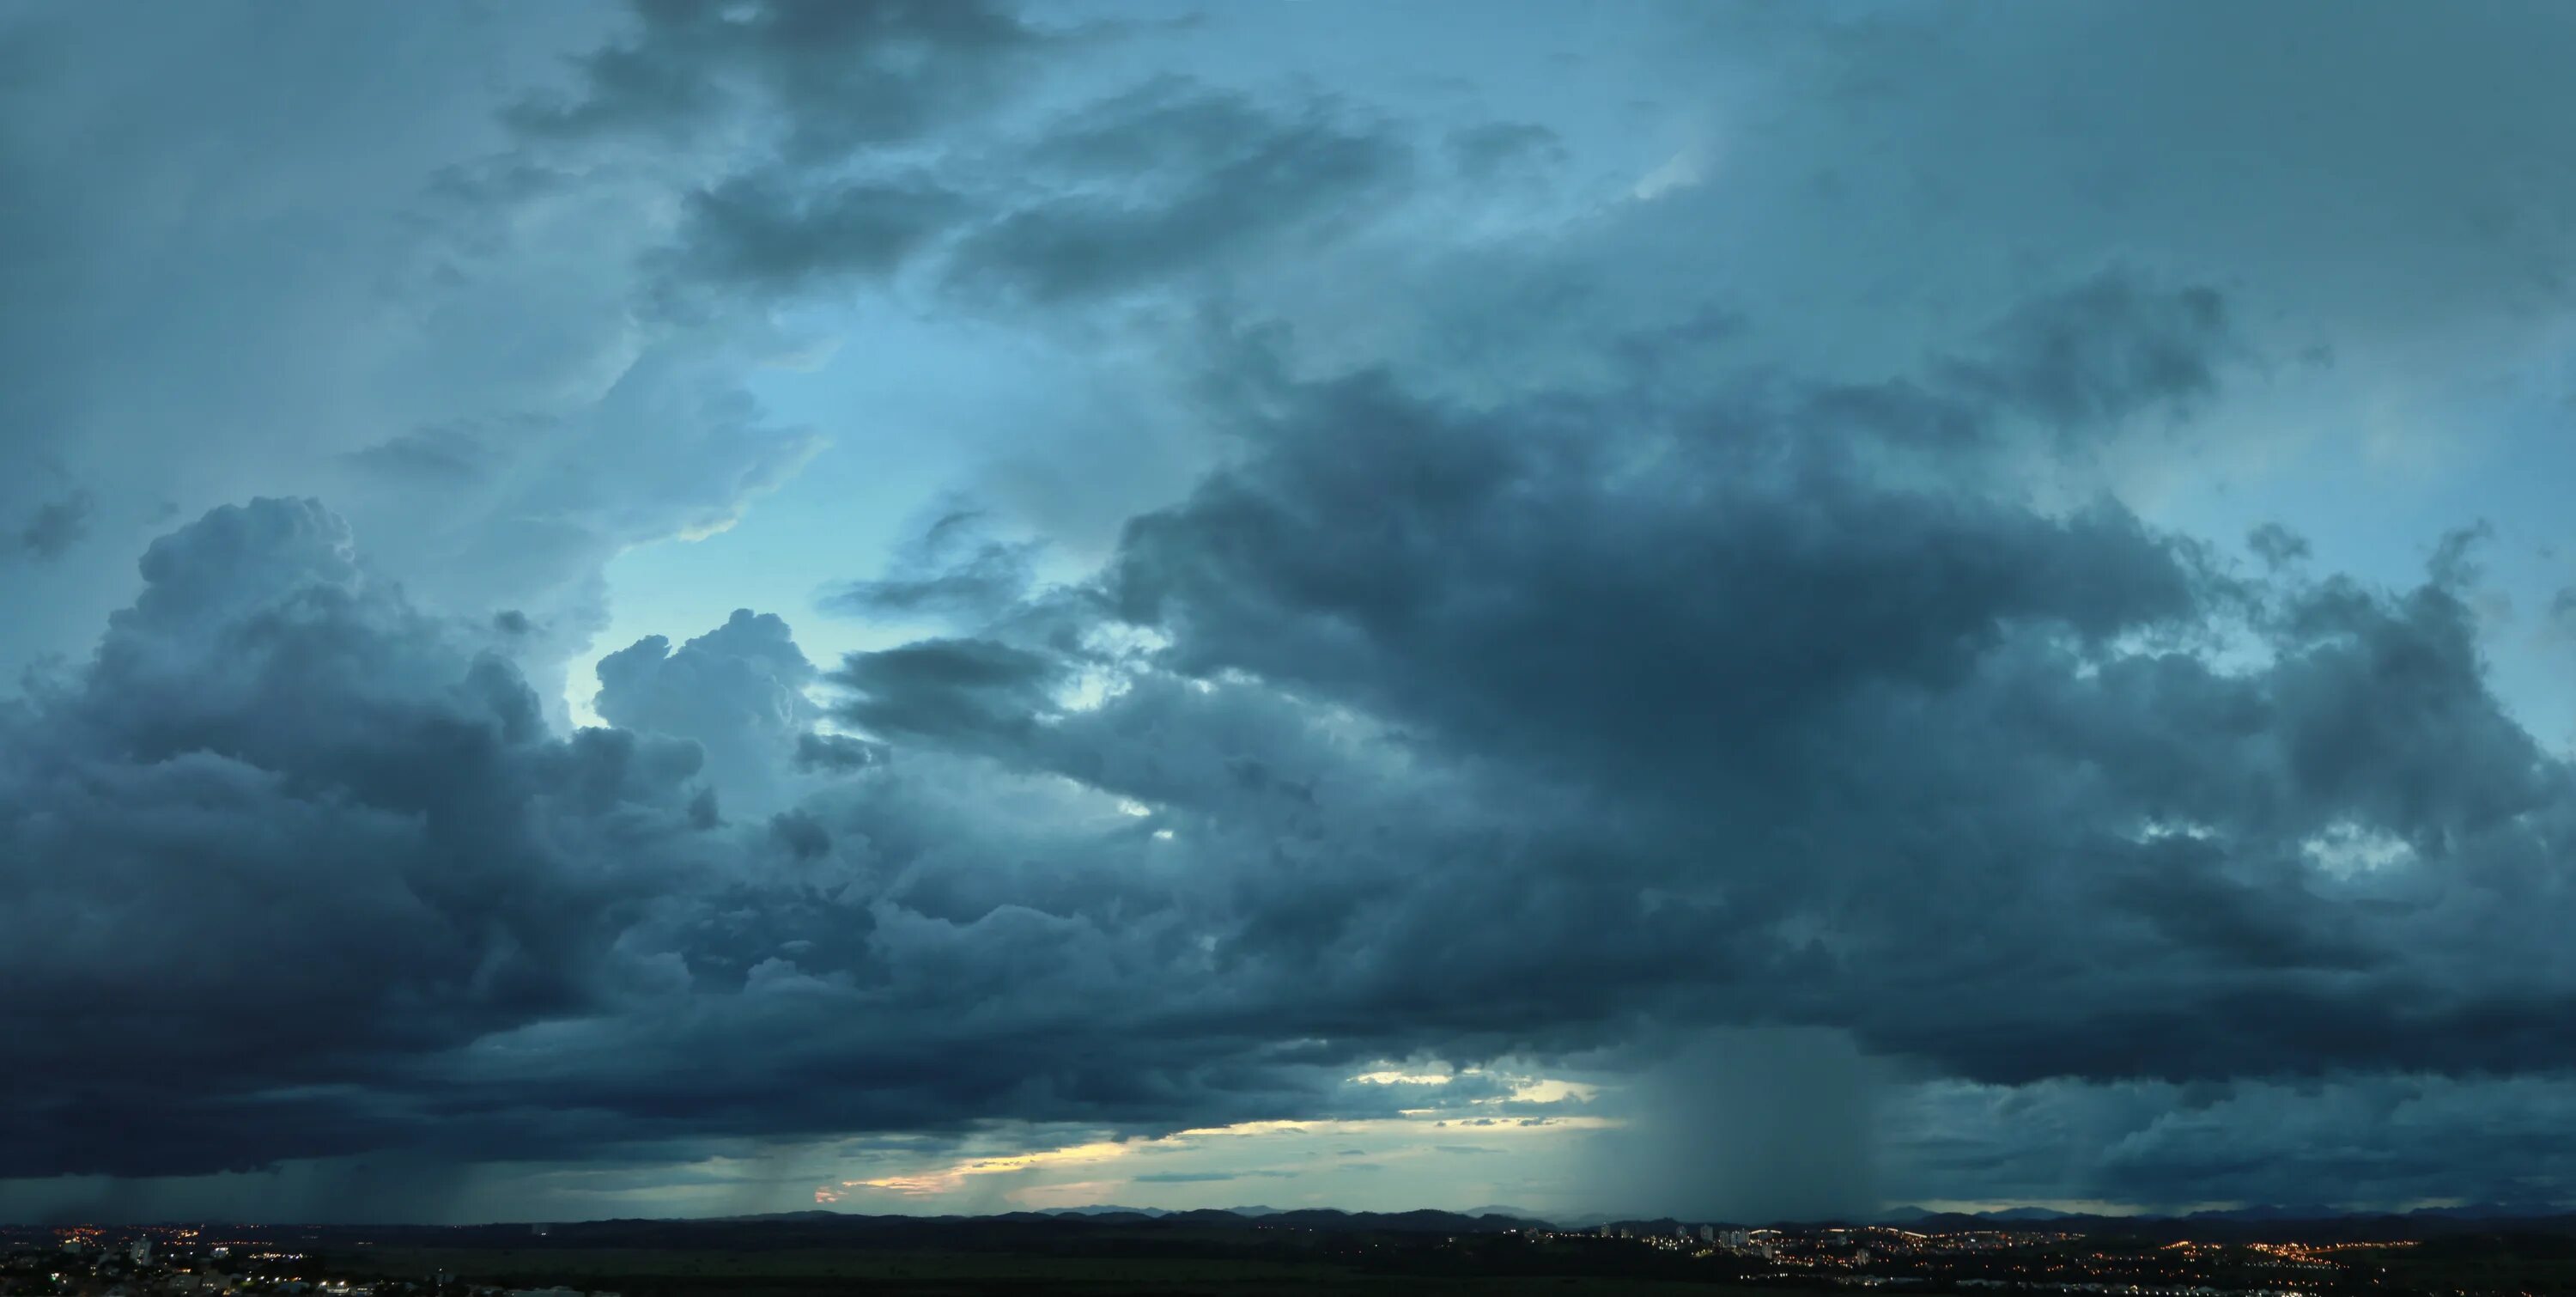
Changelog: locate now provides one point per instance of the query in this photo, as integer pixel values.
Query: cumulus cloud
(387, 297)
(273, 750)
(737, 691)
(1726, 697)
(1427, 731)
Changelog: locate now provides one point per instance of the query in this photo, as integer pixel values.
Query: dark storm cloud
(2080, 364)
(2275, 1143)
(955, 569)
(1434, 723)
(2356, 1141)
(1474, 570)
(834, 752)
(1170, 181)
(844, 76)
(1182, 179)
(946, 687)
(1839, 719)
(271, 752)
(748, 231)
(2096, 353)
(397, 911)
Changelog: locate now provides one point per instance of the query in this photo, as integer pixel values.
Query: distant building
(140, 1251)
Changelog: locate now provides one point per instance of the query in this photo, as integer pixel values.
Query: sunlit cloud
(1401, 1078)
(946, 1180)
(1544, 1090)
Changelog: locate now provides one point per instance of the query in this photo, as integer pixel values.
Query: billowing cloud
(1419, 731)
(273, 751)
(1754, 647)
(737, 691)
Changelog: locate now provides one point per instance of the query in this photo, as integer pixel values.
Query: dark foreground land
(818, 1254)
(814, 1274)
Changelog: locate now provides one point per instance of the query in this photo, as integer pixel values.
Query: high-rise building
(140, 1251)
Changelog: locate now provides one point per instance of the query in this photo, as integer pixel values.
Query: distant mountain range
(2232, 1221)
(2314, 1221)
(2009, 1215)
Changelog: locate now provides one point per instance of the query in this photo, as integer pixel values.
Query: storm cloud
(1733, 619)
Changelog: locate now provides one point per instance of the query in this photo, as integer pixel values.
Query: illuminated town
(2141, 1260)
(2027, 1260)
(130, 1261)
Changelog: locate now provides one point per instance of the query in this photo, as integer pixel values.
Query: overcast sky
(1739, 610)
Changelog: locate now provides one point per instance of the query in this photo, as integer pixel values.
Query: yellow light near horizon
(948, 1179)
(942, 1181)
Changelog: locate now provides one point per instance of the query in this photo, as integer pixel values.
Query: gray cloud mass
(1716, 640)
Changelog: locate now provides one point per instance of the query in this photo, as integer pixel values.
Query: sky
(1735, 610)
